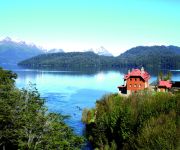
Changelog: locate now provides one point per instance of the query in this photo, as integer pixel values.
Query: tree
(25, 122)
(166, 77)
(160, 76)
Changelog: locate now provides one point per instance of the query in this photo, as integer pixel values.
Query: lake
(69, 92)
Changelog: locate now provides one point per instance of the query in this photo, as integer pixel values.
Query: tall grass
(141, 121)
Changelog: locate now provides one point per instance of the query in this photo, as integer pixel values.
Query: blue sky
(83, 24)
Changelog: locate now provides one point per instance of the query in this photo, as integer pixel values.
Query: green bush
(141, 121)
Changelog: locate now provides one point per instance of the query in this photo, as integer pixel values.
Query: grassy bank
(141, 121)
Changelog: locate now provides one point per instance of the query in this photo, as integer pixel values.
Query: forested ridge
(159, 57)
(25, 122)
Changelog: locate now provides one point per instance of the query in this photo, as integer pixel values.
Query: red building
(134, 81)
(164, 86)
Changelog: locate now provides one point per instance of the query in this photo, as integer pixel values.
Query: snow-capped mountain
(12, 52)
(100, 51)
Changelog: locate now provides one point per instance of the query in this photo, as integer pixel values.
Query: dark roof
(175, 83)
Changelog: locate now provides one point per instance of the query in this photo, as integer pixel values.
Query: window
(135, 79)
(139, 85)
(130, 79)
(134, 85)
(130, 85)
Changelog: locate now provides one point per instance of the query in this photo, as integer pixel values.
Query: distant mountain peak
(22, 43)
(55, 51)
(12, 52)
(7, 39)
(100, 51)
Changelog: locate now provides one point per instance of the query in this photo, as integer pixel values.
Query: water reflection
(68, 92)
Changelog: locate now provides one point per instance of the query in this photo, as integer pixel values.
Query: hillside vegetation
(144, 120)
(25, 122)
(163, 57)
(158, 57)
(71, 60)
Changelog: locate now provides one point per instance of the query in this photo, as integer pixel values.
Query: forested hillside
(164, 57)
(155, 57)
(71, 60)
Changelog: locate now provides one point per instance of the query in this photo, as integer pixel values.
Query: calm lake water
(69, 93)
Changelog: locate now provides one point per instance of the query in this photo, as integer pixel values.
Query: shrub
(141, 121)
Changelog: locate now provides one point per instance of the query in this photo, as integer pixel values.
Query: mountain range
(29, 55)
(153, 57)
(12, 52)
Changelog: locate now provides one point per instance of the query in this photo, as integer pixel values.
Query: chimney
(129, 71)
(142, 70)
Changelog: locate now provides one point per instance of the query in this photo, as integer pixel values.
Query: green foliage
(25, 122)
(155, 57)
(166, 77)
(160, 76)
(158, 133)
(88, 116)
(141, 121)
(7, 80)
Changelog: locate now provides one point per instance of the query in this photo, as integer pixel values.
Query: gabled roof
(138, 73)
(166, 84)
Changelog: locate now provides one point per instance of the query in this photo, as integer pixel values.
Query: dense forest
(162, 57)
(141, 121)
(25, 122)
(154, 57)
